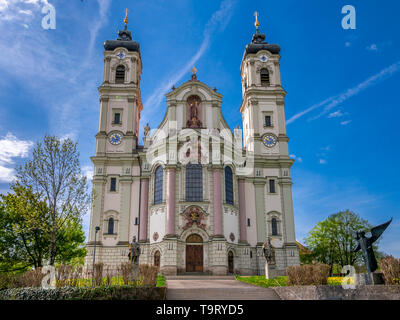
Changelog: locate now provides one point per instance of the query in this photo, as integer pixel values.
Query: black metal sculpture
(365, 244)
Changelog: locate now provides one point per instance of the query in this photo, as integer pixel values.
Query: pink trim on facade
(171, 201)
(217, 202)
(242, 211)
(144, 200)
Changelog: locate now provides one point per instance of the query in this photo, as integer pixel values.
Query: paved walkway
(215, 288)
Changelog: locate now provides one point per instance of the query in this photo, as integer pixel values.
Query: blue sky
(342, 85)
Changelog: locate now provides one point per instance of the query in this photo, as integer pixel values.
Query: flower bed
(85, 293)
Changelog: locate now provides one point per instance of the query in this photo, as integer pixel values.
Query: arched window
(274, 227)
(111, 226)
(228, 185)
(158, 185)
(120, 74)
(264, 74)
(194, 182)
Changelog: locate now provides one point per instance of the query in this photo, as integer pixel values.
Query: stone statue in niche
(194, 104)
(146, 130)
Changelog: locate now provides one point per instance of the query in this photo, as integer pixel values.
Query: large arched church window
(120, 74)
(111, 226)
(158, 185)
(264, 74)
(228, 185)
(194, 182)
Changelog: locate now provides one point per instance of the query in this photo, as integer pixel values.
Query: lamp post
(94, 251)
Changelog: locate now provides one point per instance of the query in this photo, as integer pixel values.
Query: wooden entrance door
(194, 253)
(230, 262)
(194, 258)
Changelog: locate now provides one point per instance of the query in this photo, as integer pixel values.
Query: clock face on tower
(121, 55)
(263, 58)
(269, 140)
(115, 138)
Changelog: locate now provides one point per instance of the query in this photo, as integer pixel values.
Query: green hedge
(88, 293)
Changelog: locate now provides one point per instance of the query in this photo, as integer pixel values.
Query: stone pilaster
(170, 202)
(242, 211)
(144, 199)
(125, 183)
(217, 203)
(259, 187)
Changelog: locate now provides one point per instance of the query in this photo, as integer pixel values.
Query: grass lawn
(281, 281)
(262, 282)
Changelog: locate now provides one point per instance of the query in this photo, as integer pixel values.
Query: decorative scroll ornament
(155, 236)
(194, 214)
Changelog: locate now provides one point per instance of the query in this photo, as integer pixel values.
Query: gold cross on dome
(194, 70)
(126, 16)
(256, 24)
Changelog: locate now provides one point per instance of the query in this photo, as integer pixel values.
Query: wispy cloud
(336, 100)
(37, 54)
(11, 147)
(336, 114)
(218, 21)
(345, 123)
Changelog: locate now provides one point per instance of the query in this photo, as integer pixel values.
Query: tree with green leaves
(24, 232)
(332, 241)
(54, 172)
(23, 221)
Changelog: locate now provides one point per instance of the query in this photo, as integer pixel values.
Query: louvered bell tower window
(120, 74)
(264, 74)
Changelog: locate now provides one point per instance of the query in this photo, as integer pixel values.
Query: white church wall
(231, 224)
(157, 224)
(113, 170)
(272, 201)
(122, 106)
(112, 201)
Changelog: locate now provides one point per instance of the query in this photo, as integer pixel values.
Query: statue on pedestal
(365, 244)
(269, 254)
(134, 253)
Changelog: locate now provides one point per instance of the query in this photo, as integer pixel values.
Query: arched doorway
(157, 256)
(230, 262)
(194, 253)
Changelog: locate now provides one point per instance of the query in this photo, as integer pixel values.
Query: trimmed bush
(308, 274)
(85, 293)
(390, 267)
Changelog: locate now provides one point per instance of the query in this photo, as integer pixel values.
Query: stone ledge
(375, 292)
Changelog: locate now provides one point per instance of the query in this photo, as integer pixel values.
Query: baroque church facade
(195, 195)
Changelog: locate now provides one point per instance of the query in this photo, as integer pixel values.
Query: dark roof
(258, 43)
(124, 40)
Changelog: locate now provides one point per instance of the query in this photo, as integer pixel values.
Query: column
(144, 201)
(171, 202)
(242, 211)
(217, 201)
(97, 209)
(259, 187)
(125, 209)
(286, 190)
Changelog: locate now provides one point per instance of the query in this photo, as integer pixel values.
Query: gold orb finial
(126, 16)
(256, 23)
(194, 70)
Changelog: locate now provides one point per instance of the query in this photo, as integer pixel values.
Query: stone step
(199, 277)
(221, 294)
